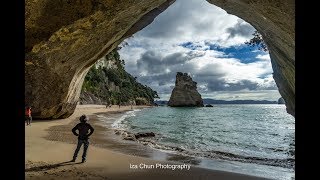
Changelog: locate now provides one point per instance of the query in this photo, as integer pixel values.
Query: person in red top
(28, 116)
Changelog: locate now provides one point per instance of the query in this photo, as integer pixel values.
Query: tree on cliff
(257, 41)
(98, 80)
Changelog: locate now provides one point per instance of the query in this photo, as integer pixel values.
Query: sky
(201, 39)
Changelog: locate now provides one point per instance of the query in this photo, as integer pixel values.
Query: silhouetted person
(28, 116)
(83, 137)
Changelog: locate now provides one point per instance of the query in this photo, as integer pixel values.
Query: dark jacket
(83, 129)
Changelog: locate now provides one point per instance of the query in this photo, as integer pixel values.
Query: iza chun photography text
(160, 166)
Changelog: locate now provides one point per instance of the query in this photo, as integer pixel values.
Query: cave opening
(60, 54)
(203, 41)
(209, 45)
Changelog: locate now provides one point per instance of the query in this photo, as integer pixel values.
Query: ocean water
(249, 139)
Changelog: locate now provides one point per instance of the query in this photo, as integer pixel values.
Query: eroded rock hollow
(64, 38)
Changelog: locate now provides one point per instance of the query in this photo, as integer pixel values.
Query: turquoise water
(243, 136)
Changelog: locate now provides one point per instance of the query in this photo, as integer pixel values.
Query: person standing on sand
(28, 116)
(83, 137)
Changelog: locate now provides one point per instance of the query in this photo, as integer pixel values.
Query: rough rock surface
(64, 38)
(89, 98)
(134, 136)
(146, 134)
(281, 101)
(185, 92)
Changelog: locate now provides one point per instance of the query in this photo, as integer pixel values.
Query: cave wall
(64, 38)
(275, 20)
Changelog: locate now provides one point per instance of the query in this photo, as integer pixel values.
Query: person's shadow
(50, 166)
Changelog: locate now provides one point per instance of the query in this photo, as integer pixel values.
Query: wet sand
(50, 146)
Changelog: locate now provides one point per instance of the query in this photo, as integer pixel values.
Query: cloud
(242, 28)
(263, 57)
(199, 38)
(212, 72)
(215, 85)
(191, 20)
(152, 62)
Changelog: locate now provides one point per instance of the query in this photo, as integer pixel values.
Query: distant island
(214, 101)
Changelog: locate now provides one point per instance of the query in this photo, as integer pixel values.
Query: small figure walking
(83, 137)
(28, 116)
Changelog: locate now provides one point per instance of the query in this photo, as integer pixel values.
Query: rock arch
(64, 38)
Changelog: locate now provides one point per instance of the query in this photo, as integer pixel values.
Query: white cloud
(264, 57)
(155, 53)
(194, 20)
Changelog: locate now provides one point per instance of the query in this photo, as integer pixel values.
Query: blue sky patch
(243, 52)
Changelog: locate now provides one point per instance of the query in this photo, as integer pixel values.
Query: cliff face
(97, 85)
(185, 92)
(63, 39)
(90, 98)
(108, 83)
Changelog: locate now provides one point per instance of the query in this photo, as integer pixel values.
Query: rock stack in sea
(185, 92)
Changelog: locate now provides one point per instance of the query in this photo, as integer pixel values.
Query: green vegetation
(257, 41)
(114, 85)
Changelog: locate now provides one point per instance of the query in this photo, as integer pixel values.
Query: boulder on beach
(128, 136)
(147, 134)
(133, 137)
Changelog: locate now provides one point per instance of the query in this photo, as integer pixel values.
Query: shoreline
(150, 148)
(47, 158)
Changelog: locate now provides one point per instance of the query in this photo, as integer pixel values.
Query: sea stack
(185, 93)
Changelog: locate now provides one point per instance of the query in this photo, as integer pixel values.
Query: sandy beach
(50, 146)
